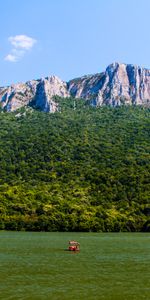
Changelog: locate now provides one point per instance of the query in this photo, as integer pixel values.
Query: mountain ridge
(119, 84)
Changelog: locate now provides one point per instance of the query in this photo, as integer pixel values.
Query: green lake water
(109, 266)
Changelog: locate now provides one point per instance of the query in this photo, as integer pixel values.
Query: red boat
(74, 246)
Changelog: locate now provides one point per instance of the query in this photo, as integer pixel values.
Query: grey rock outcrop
(17, 95)
(36, 93)
(119, 84)
(45, 90)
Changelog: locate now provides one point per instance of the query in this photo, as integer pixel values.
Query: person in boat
(74, 246)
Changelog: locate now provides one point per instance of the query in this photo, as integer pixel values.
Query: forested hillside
(79, 169)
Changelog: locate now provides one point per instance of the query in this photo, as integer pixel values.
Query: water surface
(110, 266)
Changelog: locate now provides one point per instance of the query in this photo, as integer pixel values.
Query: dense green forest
(79, 169)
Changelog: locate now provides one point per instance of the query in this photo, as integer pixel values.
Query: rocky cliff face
(45, 90)
(36, 93)
(119, 84)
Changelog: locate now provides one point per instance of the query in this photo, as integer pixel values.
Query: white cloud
(11, 57)
(22, 42)
(20, 45)
(15, 55)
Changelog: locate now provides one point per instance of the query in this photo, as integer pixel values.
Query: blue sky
(70, 38)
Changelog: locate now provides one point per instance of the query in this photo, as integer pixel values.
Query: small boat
(74, 246)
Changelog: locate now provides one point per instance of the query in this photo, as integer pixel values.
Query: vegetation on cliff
(79, 169)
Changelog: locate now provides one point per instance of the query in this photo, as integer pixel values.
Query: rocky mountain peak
(46, 89)
(119, 84)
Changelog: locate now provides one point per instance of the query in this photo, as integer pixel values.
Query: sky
(71, 38)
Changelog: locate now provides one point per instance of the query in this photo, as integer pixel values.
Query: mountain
(36, 93)
(120, 84)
